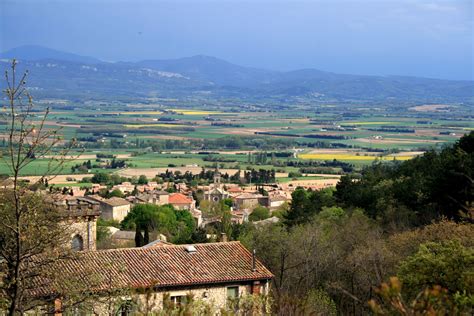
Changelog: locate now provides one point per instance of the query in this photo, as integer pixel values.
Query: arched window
(77, 243)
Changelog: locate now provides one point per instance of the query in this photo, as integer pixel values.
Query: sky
(425, 38)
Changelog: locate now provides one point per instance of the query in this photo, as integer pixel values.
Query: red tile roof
(178, 198)
(159, 267)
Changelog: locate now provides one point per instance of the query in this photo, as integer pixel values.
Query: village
(113, 203)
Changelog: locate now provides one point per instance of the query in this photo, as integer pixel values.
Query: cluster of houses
(213, 272)
(244, 201)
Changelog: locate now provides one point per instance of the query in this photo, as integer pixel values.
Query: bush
(259, 213)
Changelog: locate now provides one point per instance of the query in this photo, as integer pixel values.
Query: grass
(351, 157)
(141, 113)
(196, 112)
(152, 125)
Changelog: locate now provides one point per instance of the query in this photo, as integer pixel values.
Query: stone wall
(86, 228)
(152, 302)
(117, 213)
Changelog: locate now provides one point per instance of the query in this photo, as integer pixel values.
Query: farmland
(151, 137)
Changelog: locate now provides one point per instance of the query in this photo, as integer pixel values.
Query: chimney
(253, 261)
(223, 237)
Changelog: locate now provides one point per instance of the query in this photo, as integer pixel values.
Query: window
(233, 298)
(233, 292)
(179, 300)
(77, 243)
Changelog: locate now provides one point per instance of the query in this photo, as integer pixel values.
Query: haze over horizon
(411, 38)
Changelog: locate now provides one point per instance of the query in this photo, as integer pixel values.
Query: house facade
(214, 273)
(114, 208)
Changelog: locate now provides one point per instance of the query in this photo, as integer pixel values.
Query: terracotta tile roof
(178, 198)
(234, 190)
(250, 196)
(162, 267)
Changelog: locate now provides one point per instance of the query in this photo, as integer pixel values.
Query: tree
(142, 179)
(115, 193)
(32, 236)
(144, 218)
(259, 213)
(449, 265)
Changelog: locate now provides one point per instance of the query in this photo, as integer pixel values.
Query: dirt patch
(60, 179)
(396, 141)
(431, 108)
(86, 156)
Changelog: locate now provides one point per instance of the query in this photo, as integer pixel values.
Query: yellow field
(152, 125)
(141, 113)
(195, 112)
(351, 157)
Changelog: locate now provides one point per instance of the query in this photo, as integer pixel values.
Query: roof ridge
(167, 246)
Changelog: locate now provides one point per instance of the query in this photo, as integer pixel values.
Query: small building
(114, 208)
(122, 238)
(211, 272)
(154, 197)
(124, 187)
(250, 201)
(182, 202)
(276, 201)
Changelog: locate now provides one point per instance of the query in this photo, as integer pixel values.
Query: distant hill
(35, 52)
(56, 73)
(211, 70)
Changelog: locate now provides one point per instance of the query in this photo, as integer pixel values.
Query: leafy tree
(142, 179)
(115, 193)
(449, 265)
(426, 188)
(305, 204)
(100, 177)
(143, 218)
(259, 213)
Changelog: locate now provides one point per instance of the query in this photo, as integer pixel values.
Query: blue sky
(394, 37)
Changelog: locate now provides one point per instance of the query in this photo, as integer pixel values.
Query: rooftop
(160, 267)
(178, 198)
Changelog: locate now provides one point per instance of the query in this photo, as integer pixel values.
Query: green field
(153, 129)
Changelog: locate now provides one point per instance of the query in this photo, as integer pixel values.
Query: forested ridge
(398, 239)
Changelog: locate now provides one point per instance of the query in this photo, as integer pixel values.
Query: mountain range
(55, 73)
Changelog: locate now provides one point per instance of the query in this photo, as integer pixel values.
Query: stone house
(154, 197)
(248, 201)
(182, 202)
(212, 272)
(276, 201)
(114, 208)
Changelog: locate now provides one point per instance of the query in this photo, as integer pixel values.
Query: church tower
(217, 179)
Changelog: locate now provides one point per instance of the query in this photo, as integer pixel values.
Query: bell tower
(217, 179)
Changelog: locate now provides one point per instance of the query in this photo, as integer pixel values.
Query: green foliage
(142, 179)
(115, 193)
(449, 265)
(100, 177)
(416, 191)
(179, 225)
(305, 204)
(259, 213)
